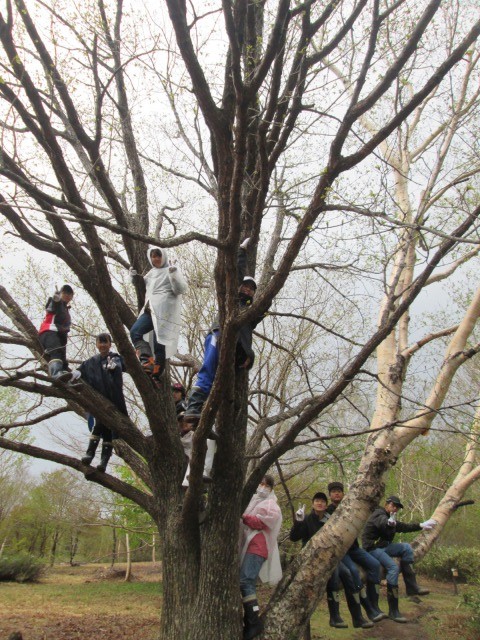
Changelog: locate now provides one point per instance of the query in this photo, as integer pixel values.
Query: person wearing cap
(244, 355)
(161, 313)
(304, 528)
(259, 555)
(377, 539)
(53, 332)
(368, 595)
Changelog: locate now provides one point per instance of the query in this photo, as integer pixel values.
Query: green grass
(104, 597)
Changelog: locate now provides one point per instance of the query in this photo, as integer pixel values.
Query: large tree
(339, 137)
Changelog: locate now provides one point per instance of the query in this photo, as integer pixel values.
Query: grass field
(92, 602)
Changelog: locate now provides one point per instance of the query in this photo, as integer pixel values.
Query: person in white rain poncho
(161, 313)
(259, 554)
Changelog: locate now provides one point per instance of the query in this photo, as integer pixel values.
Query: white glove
(428, 524)
(392, 521)
(173, 266)
(75, 375)
(111, 364)
(300, 514)
(245, 243)
(131, 274)
(56, 296)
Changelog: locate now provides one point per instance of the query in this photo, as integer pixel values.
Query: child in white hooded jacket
(161, 313)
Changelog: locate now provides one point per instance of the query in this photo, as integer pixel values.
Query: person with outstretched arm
(377, 539)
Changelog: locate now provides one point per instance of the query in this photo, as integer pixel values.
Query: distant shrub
(439, 562)
(20, 568)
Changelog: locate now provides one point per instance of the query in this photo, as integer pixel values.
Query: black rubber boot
(106, 454)
(144, 352)
(353, 602)
(392, 598)
(413, 589)
(92, 447)
(252, 625)
(372, 615)
(333, 601)
(373, 590)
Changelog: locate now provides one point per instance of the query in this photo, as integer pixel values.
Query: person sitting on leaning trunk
(304, 528)
(53, 332)
(103, 372)
(259, 555)
(161, 313)
(357, 556)
(377, 539)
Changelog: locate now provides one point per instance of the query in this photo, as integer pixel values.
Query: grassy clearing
(76, 603)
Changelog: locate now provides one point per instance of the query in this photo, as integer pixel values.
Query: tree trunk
(128, 572)
(53, 549)
(114, 546)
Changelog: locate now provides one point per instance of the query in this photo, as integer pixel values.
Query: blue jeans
(355, 573)
(346, 578)
(367, 562)
(249, 571)
(206, 375)
(142, 325)
(400, 550)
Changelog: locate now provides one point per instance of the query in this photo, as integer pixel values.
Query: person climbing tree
(161, 313)
(244, 355)
(103, 372)
(53, 332)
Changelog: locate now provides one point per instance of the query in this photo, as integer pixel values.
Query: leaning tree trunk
(468, 473)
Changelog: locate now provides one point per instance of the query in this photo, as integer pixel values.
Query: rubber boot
(106, 454)
(372, 615)
(392, 598)
(353, 602)
(252, 625)
(92, 447)
(55, 370)
(413, 589)
(373, 590)
(144, 354)
(333, 601)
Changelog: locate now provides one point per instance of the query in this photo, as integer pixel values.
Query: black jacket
(379, 534)
(108, 382)
(307, 528)
(244, 348)
(331, 509)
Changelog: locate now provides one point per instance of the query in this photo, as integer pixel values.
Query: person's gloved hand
(111, 364)
(392, 521)
(245, 243)
(428, 524)
(132, 273)
(56, 296)
(75, 375)
(300, 514)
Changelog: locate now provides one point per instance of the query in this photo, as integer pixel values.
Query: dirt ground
(91, 601)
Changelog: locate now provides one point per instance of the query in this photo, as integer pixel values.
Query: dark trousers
(99, 430)
(142, 325)
(55, 346)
